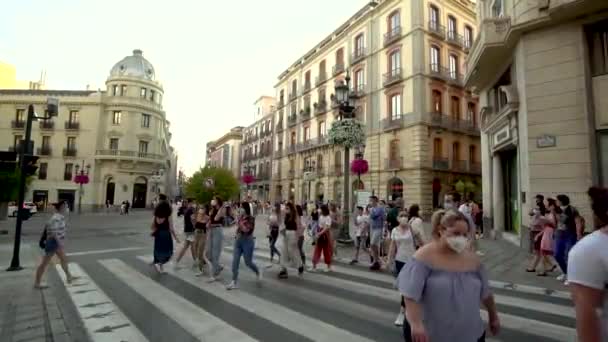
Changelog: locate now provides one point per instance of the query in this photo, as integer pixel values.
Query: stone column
(498, 197)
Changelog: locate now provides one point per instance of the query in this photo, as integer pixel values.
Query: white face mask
(213, 202)
(457, 243)
(403, 221)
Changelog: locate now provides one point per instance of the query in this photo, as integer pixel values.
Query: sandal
(529, 270)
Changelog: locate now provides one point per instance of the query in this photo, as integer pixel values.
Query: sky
(213, 58)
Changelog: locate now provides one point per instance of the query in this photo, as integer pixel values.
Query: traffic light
(8, 161)
(30, 165)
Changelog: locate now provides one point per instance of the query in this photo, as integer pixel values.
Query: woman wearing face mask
(55, 244)
(216, 235)
(401, 249)
(273, 232)
(290, 251)
(444, 285)
(200, 238)
(323, 240)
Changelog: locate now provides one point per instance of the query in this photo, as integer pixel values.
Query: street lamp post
(157, 180)
(81, 178)
(346, 111)
(309, 174)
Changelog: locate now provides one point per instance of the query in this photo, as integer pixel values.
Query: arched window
(456, 151)
(473, 154)
(393, 150)
(435, 58)
(437, 148)
(395, 188)
(437, 101)
(455, 107)
(340, 57)
(434, 20)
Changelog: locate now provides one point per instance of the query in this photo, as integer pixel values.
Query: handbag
(42, 241)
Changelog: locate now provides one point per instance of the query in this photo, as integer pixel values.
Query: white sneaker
(561, 277)
(259, 276)
(212, 280)
(400, 319)
(269, 265)
(157, 268)
(566, 283)
(232, 286)
(327, 270)
(199, 274)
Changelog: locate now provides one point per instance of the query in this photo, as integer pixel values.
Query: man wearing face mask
(445, 284)
(377, 217)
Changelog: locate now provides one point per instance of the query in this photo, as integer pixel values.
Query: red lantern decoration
(248, 178)
(359, 166)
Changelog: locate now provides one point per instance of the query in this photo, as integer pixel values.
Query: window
(322, 69)
(71, 143)
(145, 120)
(294, 109)
(394, 21)
(292, 140)
(74, 117)
(282, 96)
(114, 90)
(294, 87)
(123, 90)
(472, 154)
(306, 134)
(393, 150)
(434, 18)
(306, 82)
(435, 60)
(143, 147)
(471, 113)
(17, 141)
(497, 8)
(116, 118)
(152, 95)
(437, 148)
(340, 56)
(359, 45)
(359, 80)
(597, 36)
(114, 144)
(322, 130)
(395, 106)
(468, 36)
(456, 151)
(395, 62)
(144, 93)
(20, 115)
(455, 107)
(67, 172)
(46, 142)
(42, 168)
(453, 65)
(452, 30)
(437, 102)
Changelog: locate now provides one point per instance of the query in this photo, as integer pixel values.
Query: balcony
(291, 174)
(475, 168)
(312, 143)
(71, 125)
(321, 107)
(358, 55)
(279, 126)
(47, 124)
(291, 149)
(358, 91)
(460, 165)
(278, 154)
(451, 123)
(454, 78)
(292, 120)
(392, 36)
(338, 69)
(293, 95)
(455, 39)
(392, 77)
(392, 123)
(322, 78)
(305, 114)
(437, 71)
(15, 148)
(129, 155)
(489, 46)
(436, 29)
(391, 164)
(307, 87)
(44, 151)
(441, 164)
(18, 124)
(69, 152)
(320, 171)
(281, 103)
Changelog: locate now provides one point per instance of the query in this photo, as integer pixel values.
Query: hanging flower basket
(359, 166)
(347, 133)
(248, 179)
(81, 179)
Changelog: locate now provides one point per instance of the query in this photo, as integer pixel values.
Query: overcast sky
(214, 58)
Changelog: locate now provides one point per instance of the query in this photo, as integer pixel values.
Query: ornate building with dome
(120, 136)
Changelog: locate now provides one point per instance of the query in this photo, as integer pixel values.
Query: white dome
(134, 66)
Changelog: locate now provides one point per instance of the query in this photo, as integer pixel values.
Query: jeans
(274, 236)
(216, 237)
(301, 248)
(564, 240)
(244, 246)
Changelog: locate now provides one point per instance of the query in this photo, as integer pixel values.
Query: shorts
(190, 236)
(376, 237)
(362, 241)
(51, 247)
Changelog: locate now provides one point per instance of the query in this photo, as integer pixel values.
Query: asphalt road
(119, 296)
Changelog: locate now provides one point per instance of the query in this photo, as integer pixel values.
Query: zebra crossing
(121, 298)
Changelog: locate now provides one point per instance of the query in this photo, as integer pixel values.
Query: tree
(9, 183)
(226, 186)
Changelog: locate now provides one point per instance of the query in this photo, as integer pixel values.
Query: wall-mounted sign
(546, 141)
(502, 135)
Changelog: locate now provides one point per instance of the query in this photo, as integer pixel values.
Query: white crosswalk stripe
(353, 298)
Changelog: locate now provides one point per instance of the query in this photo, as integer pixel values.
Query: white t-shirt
(588, 266)
(324, 222)
(362, 222)
(405, 244)
(418, 228)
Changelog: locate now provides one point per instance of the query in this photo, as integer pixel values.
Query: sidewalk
(27, 314)
(504, 261)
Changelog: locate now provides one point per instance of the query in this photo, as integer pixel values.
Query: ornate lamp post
(309, 174)
(359, 166)
(81, 178)
(348, 132)
(157, 179)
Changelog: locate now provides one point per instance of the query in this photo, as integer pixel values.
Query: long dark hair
(599, 205)
(299, 210)
(553, 203)
(246, 208)
(413, 211)
(291, 216)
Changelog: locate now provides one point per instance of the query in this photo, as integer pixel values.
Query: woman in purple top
(444, 286)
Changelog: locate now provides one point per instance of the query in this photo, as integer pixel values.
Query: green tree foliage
(226, 186)
(9, 183)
